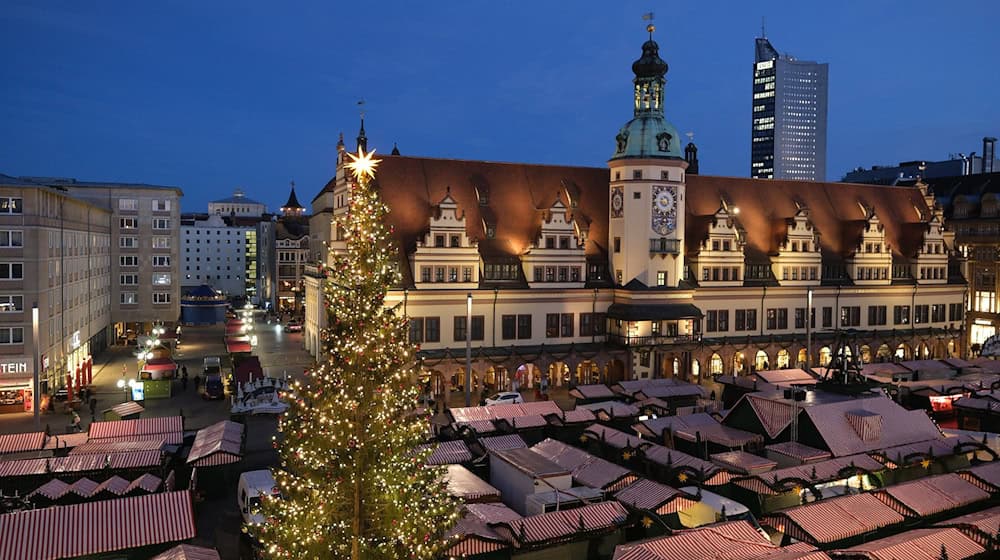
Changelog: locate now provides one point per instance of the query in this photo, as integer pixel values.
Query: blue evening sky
(211, 96)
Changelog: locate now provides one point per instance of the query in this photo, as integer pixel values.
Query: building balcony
(663, 246)
(651, 340)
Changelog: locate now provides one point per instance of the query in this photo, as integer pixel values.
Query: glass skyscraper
(789, 116)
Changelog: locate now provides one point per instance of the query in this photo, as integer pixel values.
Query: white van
(253, 485)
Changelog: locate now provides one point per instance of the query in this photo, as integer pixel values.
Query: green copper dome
(648, 135)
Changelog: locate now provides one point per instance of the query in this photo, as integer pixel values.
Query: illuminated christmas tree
(352, 482)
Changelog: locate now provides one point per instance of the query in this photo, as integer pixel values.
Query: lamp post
(809, 316)
(468, 349)
(126, 387)
(37, 366)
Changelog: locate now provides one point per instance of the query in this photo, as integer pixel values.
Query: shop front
(15, 384)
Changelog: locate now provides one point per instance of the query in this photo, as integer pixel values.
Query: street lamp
(126, 387)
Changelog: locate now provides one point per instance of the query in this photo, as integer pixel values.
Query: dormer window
(491, 231)
(456, 241)
(726, 245)
(439, 241)
(564, 242)
(795, 246)
(665, 175)
(715, 244)
(550, 242)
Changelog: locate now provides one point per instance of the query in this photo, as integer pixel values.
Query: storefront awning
(237, 347)
(159, 364)
(653, 312)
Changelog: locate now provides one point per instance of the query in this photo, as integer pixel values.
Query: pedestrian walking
(93, 409)
(184, 377)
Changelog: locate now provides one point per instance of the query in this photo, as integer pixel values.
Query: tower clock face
(664, 214)
(617, 202)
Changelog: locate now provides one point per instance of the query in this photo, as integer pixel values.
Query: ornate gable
(720, 257)
(556, 255)
(446, 254)
(871, 261)
(798, 260)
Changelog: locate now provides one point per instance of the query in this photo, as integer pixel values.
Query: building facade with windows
(292, 253)
(215, 252)
(55, 251)
(643, 270)
(788, 134)
(145, 238)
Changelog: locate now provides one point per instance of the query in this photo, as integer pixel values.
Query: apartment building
(56, 253)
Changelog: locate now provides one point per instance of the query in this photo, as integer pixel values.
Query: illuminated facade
(644, 270)
(788, 139)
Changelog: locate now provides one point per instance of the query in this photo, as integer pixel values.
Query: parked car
(293, 326)
(214, 387)
(507, 397)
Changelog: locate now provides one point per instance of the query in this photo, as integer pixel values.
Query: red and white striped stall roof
(987, 475)
(137, 427)
(53, 489)
(104, 446)
(24, 467)
(982, 525)
(917, 544)
(578, 416)
(188, 552)
(66, 441)
(564, 525)
(482, 426)
(448, 453)
(814, 473)
(97, 527)
(649, 495)
(466, 486)
(16, 443)
(128, 408)
(934, 494)
(147, 483)
(218, 444)
(734, 540)
(834, 519)
(115, 485)
(529, 421)
(84, 487)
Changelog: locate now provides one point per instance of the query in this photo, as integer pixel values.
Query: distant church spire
(395, 149)
(362, 139)
(292, 207)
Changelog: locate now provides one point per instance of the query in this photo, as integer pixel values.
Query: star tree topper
(363, 165)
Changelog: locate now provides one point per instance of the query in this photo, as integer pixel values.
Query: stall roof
(564, 526)
(989, 365)
(987, 474)
(137, 427)
(653, 496)
(188, 552)
(787, 377)
(127, 409)
(733, 540)
(108, 525)
(466, 486)
(692, 426)
(934, 494)
(448, 452)
(499, 443)
(834, 519)
(597, 391)
(104, 446)
(984, 523)
(917, 544)
(613, 409)
(219, 444)
(812, 473)
(798, 451)
(586, 469)
(743, 461)
(614, 438)
(531, 463)
(159, 364)
(17, 443)
(466, 415)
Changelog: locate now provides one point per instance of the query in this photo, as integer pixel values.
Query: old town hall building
(647, 269)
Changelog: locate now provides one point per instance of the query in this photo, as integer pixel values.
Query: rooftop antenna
(361, 108)
(650, 27)
(763, 33)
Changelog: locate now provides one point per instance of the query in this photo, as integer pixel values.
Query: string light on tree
(352, 480)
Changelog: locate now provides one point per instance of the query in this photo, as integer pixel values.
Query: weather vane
(690, 136)
(651, 28)
(361, 108)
